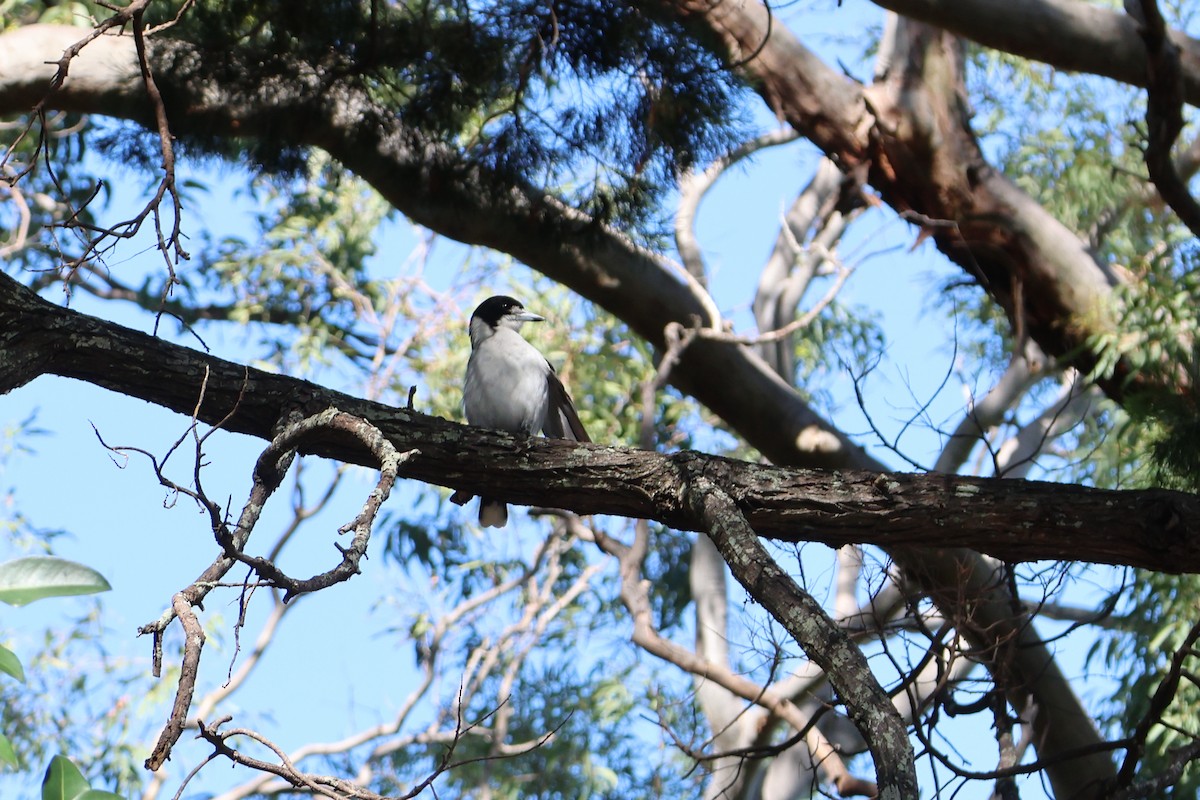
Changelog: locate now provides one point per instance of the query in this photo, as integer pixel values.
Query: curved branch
(1164, 114)
(694, 186)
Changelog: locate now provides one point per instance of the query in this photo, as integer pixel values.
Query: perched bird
(510, 386)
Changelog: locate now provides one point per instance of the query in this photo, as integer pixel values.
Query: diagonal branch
(635, 596)
(867, 704)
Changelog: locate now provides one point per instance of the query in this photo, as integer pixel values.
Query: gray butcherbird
(510, 386)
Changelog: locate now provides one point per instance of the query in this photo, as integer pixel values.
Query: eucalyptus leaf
(24, 580)
(63, 780)
(10, 664)
(7, 754)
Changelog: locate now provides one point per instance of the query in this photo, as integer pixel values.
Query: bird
(510, 386)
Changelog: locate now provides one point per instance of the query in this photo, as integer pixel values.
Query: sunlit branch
(694, 186)
(1025, 369)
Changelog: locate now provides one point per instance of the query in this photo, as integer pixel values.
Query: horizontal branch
(1071, 35)
(1013, 520)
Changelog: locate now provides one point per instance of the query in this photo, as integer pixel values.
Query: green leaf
(24, 580)
(63, 780)
(11, 664)
(7, 754)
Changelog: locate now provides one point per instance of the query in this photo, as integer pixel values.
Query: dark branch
(1164, 114)
(867, 704)
(1013, 520)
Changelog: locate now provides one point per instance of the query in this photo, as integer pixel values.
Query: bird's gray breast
(506, 384)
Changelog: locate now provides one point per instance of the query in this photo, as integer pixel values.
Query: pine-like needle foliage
(590, 99)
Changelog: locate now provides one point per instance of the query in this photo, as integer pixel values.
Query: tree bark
(1068, 34)
(1013, 520)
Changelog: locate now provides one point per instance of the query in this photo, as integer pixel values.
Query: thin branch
(193, 642)
(1159, 703)
(867, 704)
(1025, 369)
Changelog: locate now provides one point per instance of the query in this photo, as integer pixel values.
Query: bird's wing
(562, 420)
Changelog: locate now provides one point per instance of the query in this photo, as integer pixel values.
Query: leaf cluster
(1156, 338)
(306, 270)
(592, 98)
(1159, 615)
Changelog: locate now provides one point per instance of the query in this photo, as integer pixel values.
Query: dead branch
(193, 642)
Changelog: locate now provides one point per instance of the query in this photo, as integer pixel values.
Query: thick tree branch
(912, 142)
(433, 186)
(1018, 521)
(823, 641)
(1068, 34)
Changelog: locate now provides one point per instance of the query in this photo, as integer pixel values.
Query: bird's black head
(498, 312)
(494, 309)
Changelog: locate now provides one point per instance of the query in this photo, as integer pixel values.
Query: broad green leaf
(24, 580)
(63, 780)
(7, 754)
(11, 664)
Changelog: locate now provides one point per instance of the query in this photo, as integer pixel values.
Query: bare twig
(170, 244)
(193, 642)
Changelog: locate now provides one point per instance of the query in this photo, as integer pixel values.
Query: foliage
(1157, 338)
(22, 581)
(64, 781)
(68, 665)
(305, 271)
(1157, 341)
(1156, 618)
(594, 96)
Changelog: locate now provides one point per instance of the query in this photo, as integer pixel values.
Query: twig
(193, 642)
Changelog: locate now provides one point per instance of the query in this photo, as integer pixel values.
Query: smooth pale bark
(1068, 34)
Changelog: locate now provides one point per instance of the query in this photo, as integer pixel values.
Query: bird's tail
(492, 513)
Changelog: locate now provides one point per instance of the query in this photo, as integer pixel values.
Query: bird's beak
(528, 316)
